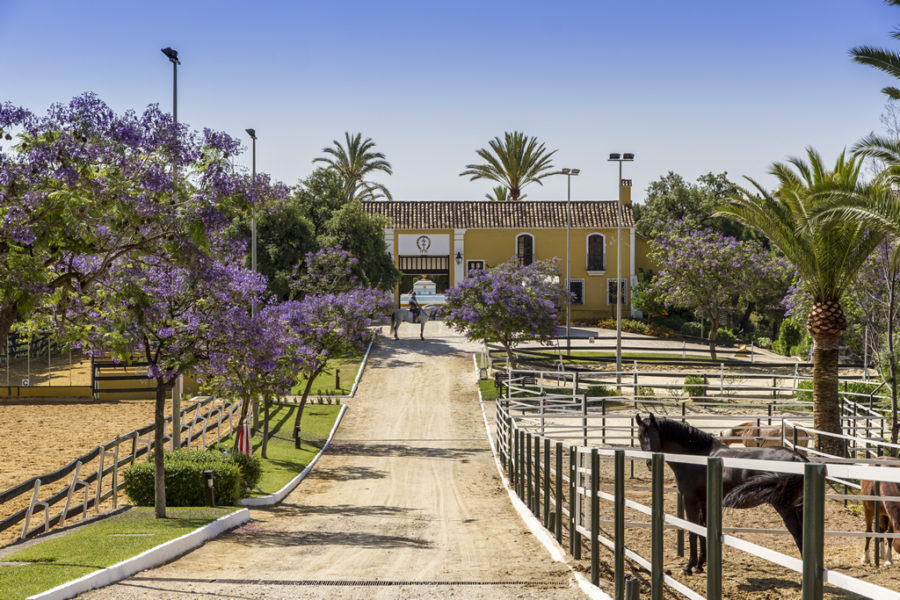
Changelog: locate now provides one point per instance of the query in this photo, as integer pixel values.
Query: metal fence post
(813, 530)
(714, 528)
(619, 525)
(528, 480)
(595, 517)
(546, 482)
(584, 422)
(574, 542)
(632, 589)
(537, 477)
(657, 523)
(557, 521)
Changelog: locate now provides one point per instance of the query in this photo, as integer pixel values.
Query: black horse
(742, 488)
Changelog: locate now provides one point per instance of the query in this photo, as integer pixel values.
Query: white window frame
(583, 290)
(587, 249)
(626, 288)
(533, 247)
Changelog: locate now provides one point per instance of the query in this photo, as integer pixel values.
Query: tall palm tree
(500, 194)
(513, 162)
(881, 58)
(354, 163)
(826, 251)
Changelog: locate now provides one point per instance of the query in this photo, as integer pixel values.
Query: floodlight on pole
(172, 55)
(569, 173)
(619, 158)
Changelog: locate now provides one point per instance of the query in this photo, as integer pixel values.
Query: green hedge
(184, 478)
(695, 386)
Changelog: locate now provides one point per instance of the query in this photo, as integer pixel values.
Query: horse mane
(688, 436)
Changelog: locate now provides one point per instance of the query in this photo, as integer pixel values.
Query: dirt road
(405, 504)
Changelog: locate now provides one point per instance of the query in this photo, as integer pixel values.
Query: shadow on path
(400, 450)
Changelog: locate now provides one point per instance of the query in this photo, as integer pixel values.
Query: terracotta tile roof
(499, 215)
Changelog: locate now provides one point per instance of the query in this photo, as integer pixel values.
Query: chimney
(625, 191)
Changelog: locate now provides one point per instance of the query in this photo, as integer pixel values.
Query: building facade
(445, 240)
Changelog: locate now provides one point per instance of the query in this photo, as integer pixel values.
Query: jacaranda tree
(712, 274)
(507, 304)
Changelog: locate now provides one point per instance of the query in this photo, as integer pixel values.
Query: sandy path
(408, 493)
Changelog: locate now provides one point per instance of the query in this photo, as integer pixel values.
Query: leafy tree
(514, 162)
(362, 235)
(500, 194)
(354, 163)
(330, 321)
(320, 195)
(83, 186)
(671, 199)
(826, 251)
(882, 59)
(507, 304)
(711, 274)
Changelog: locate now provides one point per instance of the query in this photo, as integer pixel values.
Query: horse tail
(777, 489)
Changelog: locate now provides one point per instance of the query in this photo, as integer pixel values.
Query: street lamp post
(619, 158)
(252, 134)
(569, 173)
(172, 55)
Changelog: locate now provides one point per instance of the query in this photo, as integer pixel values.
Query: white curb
(146, 560)
(362, 367)
(289, 487)
(534, 526)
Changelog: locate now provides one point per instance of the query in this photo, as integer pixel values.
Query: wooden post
(537, 478)
(529, 498)
(546, 482)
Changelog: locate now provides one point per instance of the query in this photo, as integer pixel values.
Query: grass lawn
(96, 546)
(324, 384)
(283, 461)
(488, 391)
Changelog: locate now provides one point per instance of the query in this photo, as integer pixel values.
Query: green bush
(763, 342)
(251, 471)
(643, 390)
(695, 386)
(790, 334)
(601, 391)
(184, 479)
(723, 334)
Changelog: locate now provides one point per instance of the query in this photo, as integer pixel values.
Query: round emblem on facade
(423, 243)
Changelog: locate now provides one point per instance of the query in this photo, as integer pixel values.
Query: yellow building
(444, 240)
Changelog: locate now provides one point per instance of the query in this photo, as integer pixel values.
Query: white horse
(405, 315)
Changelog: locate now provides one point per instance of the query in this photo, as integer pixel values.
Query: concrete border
(146, 560)
(293, 483)
(534, 526)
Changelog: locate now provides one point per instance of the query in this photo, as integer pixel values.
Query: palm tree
(354, 163)
(513, 162)
(500, 194)
(826, 251)
(881, 58)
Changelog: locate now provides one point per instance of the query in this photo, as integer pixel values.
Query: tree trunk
(892, 360)
(8, 314)
(744, 324)
(265, 441)
(303, 398)
(159, 474)
(510, 357)
(826, 402)
(713, 331)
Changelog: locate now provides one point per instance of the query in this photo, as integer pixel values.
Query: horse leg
(702, 559)
(887, 528)
(692, 512)
(869, 512)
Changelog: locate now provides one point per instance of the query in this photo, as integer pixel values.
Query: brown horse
(753, 435)
(889, 521)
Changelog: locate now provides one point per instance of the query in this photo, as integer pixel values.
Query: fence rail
(204, 416)
(551, 447)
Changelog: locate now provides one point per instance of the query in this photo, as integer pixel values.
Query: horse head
(648, 434)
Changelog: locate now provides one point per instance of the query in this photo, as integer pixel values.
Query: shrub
(184, 479)
(763, 342)
(251, 471)
(723, 334)
(640, 327)
(790, 334)
(601, 391)
(644, 390)
(695, 386)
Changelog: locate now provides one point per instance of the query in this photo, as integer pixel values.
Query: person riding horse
(414, 306)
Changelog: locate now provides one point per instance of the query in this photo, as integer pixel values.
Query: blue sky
(691, 87)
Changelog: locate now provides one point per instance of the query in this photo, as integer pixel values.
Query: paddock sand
(408, 494)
